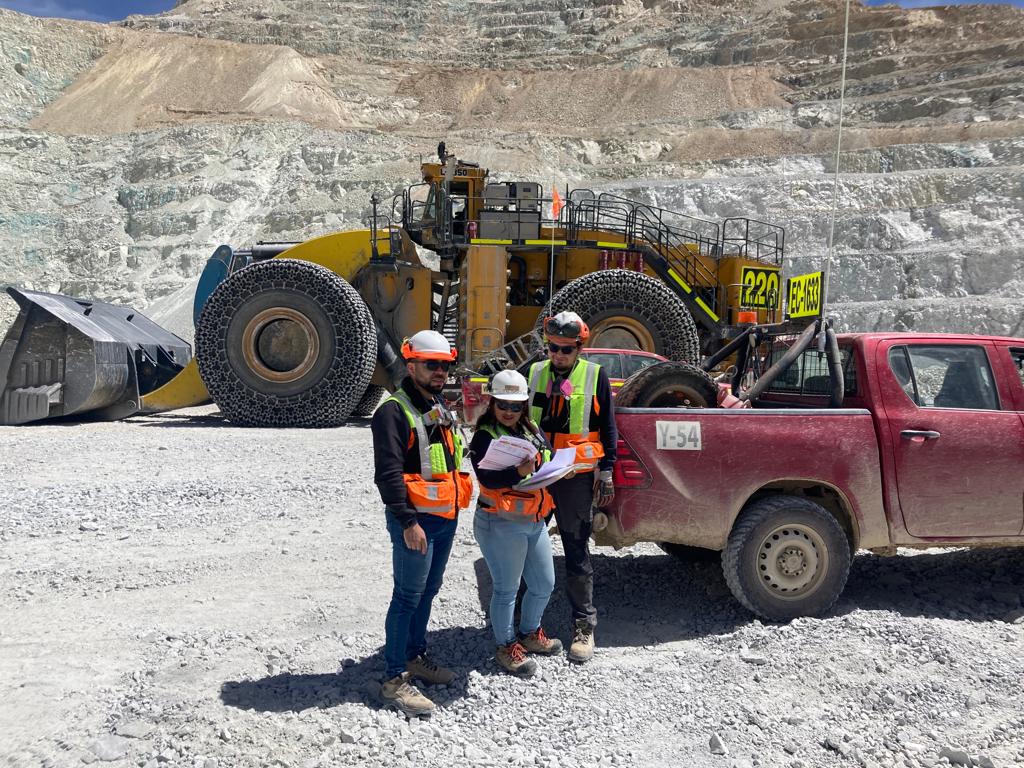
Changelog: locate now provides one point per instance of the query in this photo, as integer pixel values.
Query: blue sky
(88, 10)
(111, 10)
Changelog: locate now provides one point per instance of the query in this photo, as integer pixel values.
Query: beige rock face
(151, 80)
(130, 152)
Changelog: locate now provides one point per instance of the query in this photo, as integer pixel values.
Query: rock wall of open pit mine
(128, 152)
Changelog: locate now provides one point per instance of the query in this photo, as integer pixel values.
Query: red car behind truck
(926, 450)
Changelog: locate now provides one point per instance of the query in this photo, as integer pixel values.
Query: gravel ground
(180, 592)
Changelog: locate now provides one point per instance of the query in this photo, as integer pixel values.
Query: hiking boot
(422, 668)
(582, 648)
(400, 694)
(513, 659)
(538, 642)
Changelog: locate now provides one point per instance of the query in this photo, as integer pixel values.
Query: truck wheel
(688, 554)
(786, 557)
(668, 385)
(369, 402)
(286, 343)
(629, 310)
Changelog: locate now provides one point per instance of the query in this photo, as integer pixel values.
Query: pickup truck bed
(709, 462)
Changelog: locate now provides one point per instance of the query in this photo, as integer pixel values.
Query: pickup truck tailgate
(705, 464)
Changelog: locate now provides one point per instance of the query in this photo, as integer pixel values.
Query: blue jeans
(514, 551)
(417, 580)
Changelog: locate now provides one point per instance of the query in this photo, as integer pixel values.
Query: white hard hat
(509, 385)
(427, 345)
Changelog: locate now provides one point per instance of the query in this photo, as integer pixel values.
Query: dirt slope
(150, 80)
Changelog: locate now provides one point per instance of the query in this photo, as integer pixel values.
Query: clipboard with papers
(561, 464)
(507, 451)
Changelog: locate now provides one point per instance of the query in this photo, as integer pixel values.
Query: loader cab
(437, 211)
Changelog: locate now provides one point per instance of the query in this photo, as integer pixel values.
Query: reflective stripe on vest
(424, 488)
(415, 419)
(583, 378)
(520, 504)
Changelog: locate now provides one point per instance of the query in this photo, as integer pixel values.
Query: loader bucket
(67, 356)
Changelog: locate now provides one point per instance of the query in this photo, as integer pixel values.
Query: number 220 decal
(760, 288)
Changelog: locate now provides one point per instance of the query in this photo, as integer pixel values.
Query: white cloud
(58, 8)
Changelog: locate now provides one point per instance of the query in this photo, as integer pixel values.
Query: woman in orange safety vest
(511, 528)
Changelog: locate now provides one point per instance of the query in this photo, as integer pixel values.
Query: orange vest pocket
(464, 482)
(431, 497)
(588, 448)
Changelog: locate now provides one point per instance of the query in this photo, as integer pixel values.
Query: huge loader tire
(786, 557)
(668, 385)
(369, 402)
(629, 310)
(286, 343)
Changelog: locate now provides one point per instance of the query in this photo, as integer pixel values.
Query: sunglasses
(506, 405)
(559, 348)
(437, 365)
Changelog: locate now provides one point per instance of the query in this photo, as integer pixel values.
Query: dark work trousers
(574, 499)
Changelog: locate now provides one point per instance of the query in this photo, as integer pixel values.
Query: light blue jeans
(515, 551)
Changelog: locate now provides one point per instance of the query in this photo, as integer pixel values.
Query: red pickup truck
(925, 450)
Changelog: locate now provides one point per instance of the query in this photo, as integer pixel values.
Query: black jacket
(555, 415)
(393, 456)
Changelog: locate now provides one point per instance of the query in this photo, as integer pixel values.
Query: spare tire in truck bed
(669, 384)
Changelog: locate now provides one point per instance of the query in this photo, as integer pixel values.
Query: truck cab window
(808, 375)
(633, 363)
(900, 366)
(946, 376)
(1017, 355)
(608, 360)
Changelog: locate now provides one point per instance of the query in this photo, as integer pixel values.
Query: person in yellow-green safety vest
(571, 401)
(510, 526)
(417, 453)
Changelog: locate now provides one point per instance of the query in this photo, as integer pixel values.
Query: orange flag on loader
(556, 202)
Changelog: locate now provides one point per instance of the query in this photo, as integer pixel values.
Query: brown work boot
(582, 648)
(400, 694)
(538, 642)
(513, 659)
(422, 668)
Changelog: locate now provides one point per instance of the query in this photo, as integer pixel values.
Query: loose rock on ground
(227, 609)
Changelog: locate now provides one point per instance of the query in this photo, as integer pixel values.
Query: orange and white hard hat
(428, 345)
(566, 325)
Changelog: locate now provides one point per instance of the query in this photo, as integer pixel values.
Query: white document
(507, 452)
(561, 464)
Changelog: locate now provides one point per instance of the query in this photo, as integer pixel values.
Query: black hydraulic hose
(742, 357)
(802, 343)
(835, 368)
(388, 357)
(269, 250)
(728, 349)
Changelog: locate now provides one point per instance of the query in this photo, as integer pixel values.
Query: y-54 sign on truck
(926, 449)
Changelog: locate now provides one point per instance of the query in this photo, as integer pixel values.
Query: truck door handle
(919, 435)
